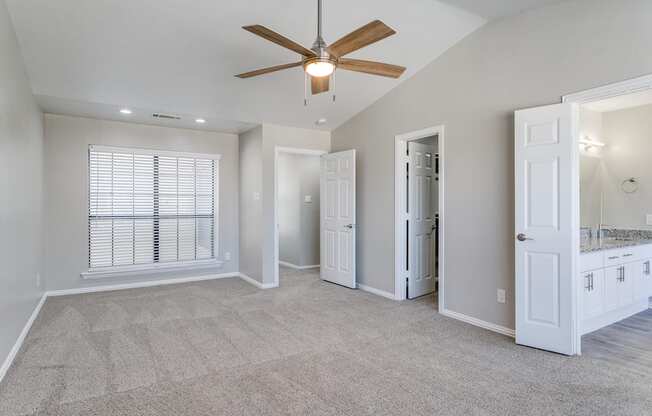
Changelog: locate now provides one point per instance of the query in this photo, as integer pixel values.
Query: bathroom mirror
(616, 163)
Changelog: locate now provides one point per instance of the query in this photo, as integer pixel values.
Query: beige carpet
(308, 348)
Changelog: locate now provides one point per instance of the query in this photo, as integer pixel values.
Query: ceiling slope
(91, 58)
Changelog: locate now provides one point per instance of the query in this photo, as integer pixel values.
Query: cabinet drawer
(621, 256)
(591, 261)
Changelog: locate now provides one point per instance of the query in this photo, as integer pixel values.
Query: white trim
(136, 285)
(294, 266)
(377, 292)
(21, 338)
(478, 322)
(147, 269)
(608, 91)
(145, 151)
(400, 193)
(277, 150)
(256, 283)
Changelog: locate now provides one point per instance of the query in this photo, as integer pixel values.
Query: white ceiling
(621, 102)
(91, 58)
(492, 9)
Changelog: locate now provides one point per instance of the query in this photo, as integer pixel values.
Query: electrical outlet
(256, 196)
(500, 296)
(227, 256)
(38, 280)
(307, 199)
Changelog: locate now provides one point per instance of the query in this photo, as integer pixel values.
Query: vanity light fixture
(589, 143)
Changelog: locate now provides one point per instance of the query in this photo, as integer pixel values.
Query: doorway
(419, 214)
(561, 289)
(297, 199)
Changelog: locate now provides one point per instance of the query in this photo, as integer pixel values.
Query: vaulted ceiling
(91, 58)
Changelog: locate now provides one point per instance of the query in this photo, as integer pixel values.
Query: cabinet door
(633, 272)
(643, 280)
(612, 276)
(593, 284)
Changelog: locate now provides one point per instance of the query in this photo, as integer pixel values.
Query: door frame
(616, 89)
(296, 151)
(400, 195)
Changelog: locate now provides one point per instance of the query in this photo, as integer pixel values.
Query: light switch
(648, 219)
(307, 199)
(500, 296)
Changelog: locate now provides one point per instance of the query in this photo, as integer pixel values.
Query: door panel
(338, 227)
(547, 227)
(421, 172)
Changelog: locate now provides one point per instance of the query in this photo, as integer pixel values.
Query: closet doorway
(419, 197)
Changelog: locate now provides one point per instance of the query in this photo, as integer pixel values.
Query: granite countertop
(594, 244)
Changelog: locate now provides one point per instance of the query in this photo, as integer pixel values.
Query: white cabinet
(614, 284)
(593, 282)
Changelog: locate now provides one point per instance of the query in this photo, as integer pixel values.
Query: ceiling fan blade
(272, 36)
(370, 67)
(319, 84)
(268, 70)
(366, 35)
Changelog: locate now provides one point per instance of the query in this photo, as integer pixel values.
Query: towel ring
(629, 186)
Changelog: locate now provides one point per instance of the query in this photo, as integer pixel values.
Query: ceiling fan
(322, 59)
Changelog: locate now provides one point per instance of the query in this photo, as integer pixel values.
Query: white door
(547, 228)
(338, 227)
(421, 179)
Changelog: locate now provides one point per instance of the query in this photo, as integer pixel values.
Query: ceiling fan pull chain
(333, 82)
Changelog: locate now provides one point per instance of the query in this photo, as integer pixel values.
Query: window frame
(153, 268)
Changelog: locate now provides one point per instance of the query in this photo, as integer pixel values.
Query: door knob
(349, 226)
(523, 237)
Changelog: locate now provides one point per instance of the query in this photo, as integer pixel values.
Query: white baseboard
(136, 285)
(21, 338)
(256, 283)
(478, 322)
(377, 292)
(294, 266)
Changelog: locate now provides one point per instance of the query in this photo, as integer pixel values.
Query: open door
(422, 219)
(338, 227)
(547, 227)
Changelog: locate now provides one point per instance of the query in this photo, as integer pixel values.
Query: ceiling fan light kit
(320, 62)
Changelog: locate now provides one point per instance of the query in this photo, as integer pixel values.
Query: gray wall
(21, 184)
(298, 220)
(251, 214)
(66, 170)
(473, 89)
(289, 209)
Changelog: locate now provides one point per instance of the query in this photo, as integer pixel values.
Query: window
(150, 208)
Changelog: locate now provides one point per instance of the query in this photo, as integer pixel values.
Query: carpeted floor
(308, 348)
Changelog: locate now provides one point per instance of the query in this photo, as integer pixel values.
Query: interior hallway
(306, 348)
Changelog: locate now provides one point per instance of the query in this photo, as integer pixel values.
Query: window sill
(149, 269)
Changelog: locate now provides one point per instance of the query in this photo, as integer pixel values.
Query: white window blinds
(148, 207)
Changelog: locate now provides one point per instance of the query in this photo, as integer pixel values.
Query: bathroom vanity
(615, 279)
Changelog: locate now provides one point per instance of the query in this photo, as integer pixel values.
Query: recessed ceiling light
(125, 111)
(321, 121)
(200, 121)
